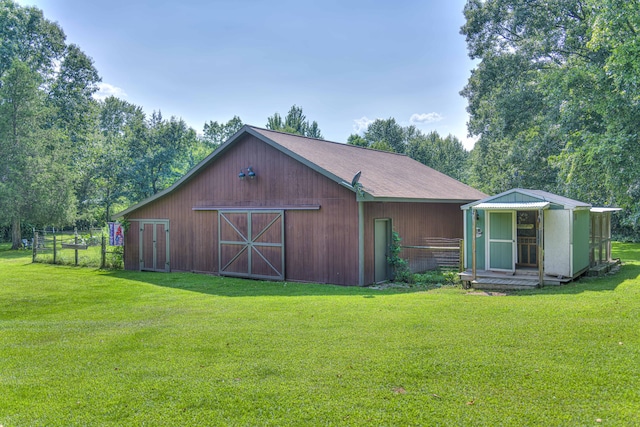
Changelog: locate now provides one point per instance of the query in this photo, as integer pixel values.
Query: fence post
(75, 242)
(103, 260)
(55, 251)
(461, 257)
(35, 245)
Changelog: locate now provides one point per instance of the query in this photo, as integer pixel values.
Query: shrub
(400, 266)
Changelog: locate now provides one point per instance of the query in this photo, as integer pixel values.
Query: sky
(345, 62)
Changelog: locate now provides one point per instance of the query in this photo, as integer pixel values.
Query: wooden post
(607, 222)
(103, 261)
(461, 257)
(602, 242)
(592, 241)
(474, 225)
(541, 247)
(75, 242)
(55, 250)
(34, 248)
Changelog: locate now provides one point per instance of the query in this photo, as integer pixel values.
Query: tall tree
(215, 133)
(35, 181)
(294, 122)
(355, 139)
(159, 158)
(446, 155)
(104, 164)
(387, 131)
(554, 97)
(71, 92)
(52, 108)
(27, 36)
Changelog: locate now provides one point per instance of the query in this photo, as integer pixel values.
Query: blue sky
(345, 62)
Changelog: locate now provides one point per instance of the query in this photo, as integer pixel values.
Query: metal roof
(527, 206)
(601, 210)
(540, 195)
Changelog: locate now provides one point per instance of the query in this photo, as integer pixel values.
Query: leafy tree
(382, 146)
(386, 131)
(355, 139)
(46, 100)
(27, 36)
(158, 158)
(554, 98)
(105, 163)
(215, 133)
(445, 155)
(295, 122)
(71, 91)
(35, 182)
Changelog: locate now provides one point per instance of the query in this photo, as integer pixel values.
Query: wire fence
(86, 249)
(435, 253)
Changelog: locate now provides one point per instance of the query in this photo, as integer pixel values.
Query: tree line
(553, 101)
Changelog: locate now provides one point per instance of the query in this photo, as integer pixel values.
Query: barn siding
(320, 245)
(131, 246)
(413, 222)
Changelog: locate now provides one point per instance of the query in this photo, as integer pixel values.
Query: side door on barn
(251, 244)
(154, 245)
(382, 240)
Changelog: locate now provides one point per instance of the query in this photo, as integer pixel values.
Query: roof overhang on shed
(522, 206)
(534, 196)
(602, 210)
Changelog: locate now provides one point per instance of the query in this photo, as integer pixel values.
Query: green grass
(80, 346)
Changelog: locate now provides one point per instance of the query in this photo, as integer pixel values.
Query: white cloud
(425, 118)
(469, 142)
(106, 90)
(360, 125)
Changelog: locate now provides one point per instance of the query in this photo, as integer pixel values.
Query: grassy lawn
(80, 346)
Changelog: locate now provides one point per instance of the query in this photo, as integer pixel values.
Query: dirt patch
(382, 286)
(488, 294)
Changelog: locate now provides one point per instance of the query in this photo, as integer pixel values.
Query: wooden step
(504, 284)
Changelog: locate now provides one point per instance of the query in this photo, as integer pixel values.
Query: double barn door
(154, 245)
(251, 244)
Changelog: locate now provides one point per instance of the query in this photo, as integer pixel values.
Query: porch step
(491, 283)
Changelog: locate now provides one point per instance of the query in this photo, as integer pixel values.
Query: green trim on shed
(580, 240)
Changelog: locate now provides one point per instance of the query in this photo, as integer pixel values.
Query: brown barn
(272, 205)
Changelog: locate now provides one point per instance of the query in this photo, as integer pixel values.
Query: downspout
(360, 243)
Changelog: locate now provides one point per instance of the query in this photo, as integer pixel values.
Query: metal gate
(251, 244)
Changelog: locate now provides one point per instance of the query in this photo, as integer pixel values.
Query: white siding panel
(557, 254)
